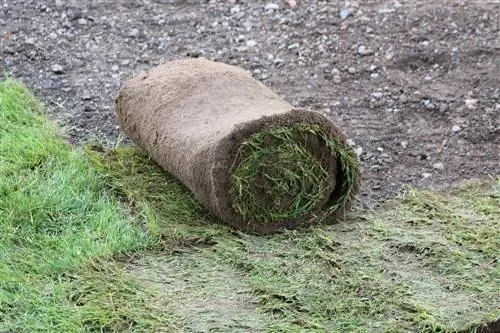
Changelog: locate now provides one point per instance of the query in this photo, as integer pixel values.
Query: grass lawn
(104, 241)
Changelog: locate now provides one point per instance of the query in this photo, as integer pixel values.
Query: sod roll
(255, 161)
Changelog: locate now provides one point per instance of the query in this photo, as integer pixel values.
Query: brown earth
(415, 84)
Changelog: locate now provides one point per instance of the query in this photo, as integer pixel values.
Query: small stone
(134, 33)
(404, 144)
(125, 62)
(426, 175)
(351, 70)
(59, 3)
(403, 98)
(235, 9)
(272, 6)
(115, 68)
(456, 128)
(53, 35)
(374, 75)
(248, 25)
(293, 46)
(345, 13)
(82, 21)
(358, 151)
(438, 166)
(364, 51)
(86, 97)
(471, 103)
(380, 149)
(428, 104)
(351, 143)
(57, 69)
(377, 94)
(386, 10)
(337, 79)
(76, 15)
(335, 71)
(373, 67)
(251, 43)
(30, 40)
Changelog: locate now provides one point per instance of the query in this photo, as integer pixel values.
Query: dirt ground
(415, 84)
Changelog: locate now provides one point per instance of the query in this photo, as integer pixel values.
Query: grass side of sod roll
(276, 164)
(104, 241)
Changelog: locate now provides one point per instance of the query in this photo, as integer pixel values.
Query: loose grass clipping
(252, 159)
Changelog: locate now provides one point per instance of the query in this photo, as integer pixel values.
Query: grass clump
(276, 176)
(56, 219)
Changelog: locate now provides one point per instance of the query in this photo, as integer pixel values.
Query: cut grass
(56, 220)
(160, 201)
(277, 177)
(107, 242)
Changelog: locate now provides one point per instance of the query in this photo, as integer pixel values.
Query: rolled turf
(255, 161)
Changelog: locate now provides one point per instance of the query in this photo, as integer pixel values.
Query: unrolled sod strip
(255, 161)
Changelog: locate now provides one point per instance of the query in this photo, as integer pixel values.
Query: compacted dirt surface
(415, 84)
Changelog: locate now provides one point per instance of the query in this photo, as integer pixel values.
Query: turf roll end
(254, 161)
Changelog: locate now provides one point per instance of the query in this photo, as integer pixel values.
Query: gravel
(57, 69)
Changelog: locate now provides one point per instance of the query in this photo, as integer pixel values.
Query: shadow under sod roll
(252, 159)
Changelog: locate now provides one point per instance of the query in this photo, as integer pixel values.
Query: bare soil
(415, 84)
